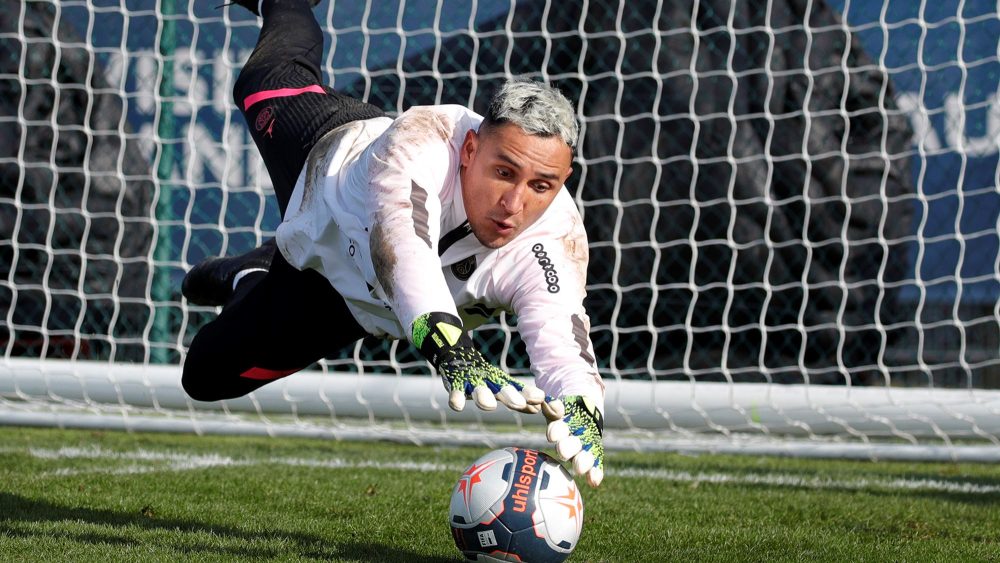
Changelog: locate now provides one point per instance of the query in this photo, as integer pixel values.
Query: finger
(557, 430)
(583, 462)
(511, 397)
(532, 394)
(530, 409)
(595, 476)
(513, 382)
(484, 398)
(456, 399)
(554, 409)
(568, 447)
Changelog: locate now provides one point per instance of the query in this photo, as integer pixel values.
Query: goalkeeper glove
(576, 427)
(465, 372)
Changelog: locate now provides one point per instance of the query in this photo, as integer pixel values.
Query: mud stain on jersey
(318, 166)
(576, 249)
(415, 126)
(383, 259)
(396, 151)
(403, 144)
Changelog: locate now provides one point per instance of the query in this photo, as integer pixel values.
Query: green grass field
(99, 496)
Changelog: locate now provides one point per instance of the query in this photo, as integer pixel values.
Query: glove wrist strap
(590, 410)
(438, 334)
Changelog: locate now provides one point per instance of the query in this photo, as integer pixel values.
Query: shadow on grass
(970, 497)
(15, 508)
(951, 483)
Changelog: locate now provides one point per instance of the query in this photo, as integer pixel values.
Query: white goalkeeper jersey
(378, 211)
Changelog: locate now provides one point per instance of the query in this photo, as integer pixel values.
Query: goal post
(793, 216)
(822, 421)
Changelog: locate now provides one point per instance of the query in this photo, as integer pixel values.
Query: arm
(411, 169)
(562, 359)
(548, 300)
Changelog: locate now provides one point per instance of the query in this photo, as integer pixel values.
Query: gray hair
(535, 107)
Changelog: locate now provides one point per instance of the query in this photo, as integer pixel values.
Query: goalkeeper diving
(419, 227)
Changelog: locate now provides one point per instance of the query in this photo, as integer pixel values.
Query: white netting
(784, 209)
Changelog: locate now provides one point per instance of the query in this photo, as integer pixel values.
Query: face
(509, 178)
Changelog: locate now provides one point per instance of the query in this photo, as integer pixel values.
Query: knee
(199, 377)
(242, 88)
(196, 386)
(214, 377)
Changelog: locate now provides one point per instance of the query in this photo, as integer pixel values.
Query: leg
(280, 94)
(287, 111)
(274, 326)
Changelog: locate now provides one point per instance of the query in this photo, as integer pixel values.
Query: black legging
(286, 107)
(282, 321)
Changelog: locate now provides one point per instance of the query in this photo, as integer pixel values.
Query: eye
(503, 172)
(541, 187)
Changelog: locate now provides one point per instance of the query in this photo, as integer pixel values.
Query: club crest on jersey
(463, 270)
(551, 278)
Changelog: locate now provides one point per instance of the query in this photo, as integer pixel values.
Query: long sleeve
(410, 169)
(547, 284)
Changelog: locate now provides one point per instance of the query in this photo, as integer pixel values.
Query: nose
(512, 200)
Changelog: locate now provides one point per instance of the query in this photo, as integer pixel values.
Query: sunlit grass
(99, 496)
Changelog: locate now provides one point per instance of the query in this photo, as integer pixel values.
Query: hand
(576, 428)
(465, 372)
(467, 375)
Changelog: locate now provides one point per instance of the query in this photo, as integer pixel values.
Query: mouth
(504, 227)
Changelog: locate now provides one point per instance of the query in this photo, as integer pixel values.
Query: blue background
(933, 51)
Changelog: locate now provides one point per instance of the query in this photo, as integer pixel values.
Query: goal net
(792, 208)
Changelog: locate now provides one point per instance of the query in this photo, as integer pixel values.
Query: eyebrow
(516, 164)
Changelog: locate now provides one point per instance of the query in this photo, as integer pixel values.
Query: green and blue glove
(465, 372)
(576, 427)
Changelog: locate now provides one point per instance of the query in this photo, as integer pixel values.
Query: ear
(469, 147)
(569, 164)
(569, 172)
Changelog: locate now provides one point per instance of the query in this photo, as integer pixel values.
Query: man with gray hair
(377, 214)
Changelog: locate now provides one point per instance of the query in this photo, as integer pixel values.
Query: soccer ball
(516, 504)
